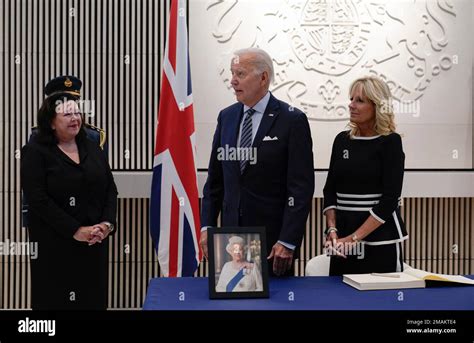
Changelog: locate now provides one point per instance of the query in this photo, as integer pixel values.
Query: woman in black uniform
(72, 202)
(362, 192)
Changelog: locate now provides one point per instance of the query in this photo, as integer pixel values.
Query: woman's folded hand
(91, 234)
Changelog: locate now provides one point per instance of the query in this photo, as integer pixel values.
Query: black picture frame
(250, 281)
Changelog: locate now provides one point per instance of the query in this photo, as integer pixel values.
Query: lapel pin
(270, 114)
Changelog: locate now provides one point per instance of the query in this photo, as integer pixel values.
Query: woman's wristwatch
(110, 226)
(329, 230)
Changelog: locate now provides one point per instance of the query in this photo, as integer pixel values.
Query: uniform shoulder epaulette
(103, 135)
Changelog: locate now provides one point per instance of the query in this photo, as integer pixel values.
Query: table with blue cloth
(307, 293)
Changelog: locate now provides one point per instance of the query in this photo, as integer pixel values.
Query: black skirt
(69, 275)
(369, 259)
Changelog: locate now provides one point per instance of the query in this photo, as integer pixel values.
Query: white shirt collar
(261, 105)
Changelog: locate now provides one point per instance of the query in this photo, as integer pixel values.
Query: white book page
(370, 278)
(421, 274)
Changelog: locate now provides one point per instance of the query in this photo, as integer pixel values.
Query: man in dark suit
(261, 167)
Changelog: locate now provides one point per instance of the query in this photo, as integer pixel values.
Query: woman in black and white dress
(362, 192)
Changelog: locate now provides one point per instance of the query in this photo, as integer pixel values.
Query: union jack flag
(174, 208)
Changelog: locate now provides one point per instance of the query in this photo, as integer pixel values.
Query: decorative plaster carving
(320, 46)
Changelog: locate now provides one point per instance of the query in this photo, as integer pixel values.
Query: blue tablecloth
(306, 293)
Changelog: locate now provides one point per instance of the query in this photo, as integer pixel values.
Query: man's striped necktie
(246, 139)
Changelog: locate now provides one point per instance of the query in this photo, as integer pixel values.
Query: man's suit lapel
(271, 113)
(235, 126)
(234, 134)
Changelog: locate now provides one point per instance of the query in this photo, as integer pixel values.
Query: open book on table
(409, 278)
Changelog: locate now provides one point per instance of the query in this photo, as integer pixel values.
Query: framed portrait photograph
(237, 262)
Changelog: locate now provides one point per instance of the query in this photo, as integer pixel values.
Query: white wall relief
(421, 48)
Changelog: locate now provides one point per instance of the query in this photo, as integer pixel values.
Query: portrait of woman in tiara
(238, 274)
